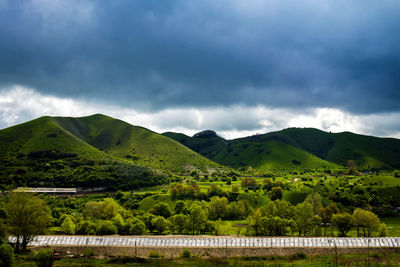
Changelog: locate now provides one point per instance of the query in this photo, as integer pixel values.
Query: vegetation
(296, 148)
(91, 151)
(247, 207)
(293, 182)
(300, 259)
(6, 255)
(27, 216)
(43, 258)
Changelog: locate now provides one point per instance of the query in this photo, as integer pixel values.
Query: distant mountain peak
(206, 134)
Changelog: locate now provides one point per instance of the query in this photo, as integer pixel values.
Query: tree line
(27, 215)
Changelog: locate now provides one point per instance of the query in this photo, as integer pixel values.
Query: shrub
(155, 255)
(86, 228)
(6, 255)
(137, 227)
(299, 256)
(106, 228)
(89, 253)
(186, 254)
(68, 226)
(44, 258)
(3, 233)
(125, 260)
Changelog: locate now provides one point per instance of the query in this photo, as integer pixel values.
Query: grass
(277, 150)
(375, 259)
(91, 151)
(269, 155)
(393, 225)
(134, 143)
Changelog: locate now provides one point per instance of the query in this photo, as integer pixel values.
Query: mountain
(250, 151)
(91, 151)
(367, 151)
(297, 148)
(206, 143)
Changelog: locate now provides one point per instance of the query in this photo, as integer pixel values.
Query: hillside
(367, 151)
(133, 143)
(250, 151)
(297, 148)
(206, 143)
(90, 151)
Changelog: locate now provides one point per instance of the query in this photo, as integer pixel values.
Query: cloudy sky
(238, 67)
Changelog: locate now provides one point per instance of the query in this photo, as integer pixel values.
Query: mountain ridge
(97, 149)
(369, 152)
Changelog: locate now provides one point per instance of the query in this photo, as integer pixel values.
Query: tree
(255, 221)
(104, 210)
(110, 208)
(249, 183)
(352, 166)
(6, 255)
(382, 230)
(304, 218)
(315, 200)
(267, 184)
(147, 218)
(326, 215)
(178, 222)
(180, 207)
(214, 190)
(197, 218)
(276, 193)
(136, 227)
(366, 220)
(342, 222)
(28, 216)
(161, 209)
(93, 209)
(106, 228)
(160, 225)
(119, 222)
(86, 228)
(217, 207)
(68, 226)
(244, 208)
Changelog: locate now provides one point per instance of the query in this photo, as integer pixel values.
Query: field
(296, 260)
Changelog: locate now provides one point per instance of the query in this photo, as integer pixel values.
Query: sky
(238, 67)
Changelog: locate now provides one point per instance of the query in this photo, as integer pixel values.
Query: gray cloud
(19, 104)
(153, 55)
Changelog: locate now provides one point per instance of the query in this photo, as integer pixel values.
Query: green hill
(250, 151)
(91, 151)
(367, 151)
(268, 155)
(206, 143)
(297, 148)
(133, 143)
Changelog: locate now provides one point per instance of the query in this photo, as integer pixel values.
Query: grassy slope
(260, 153)
(367, 151)
(101, 137)
(278, 149)
(69, 160)
(90, 151)
(208, 147)
(268, 155)
(37, 135)
(134, 143)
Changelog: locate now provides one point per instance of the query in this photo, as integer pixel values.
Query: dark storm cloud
(157, 54)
